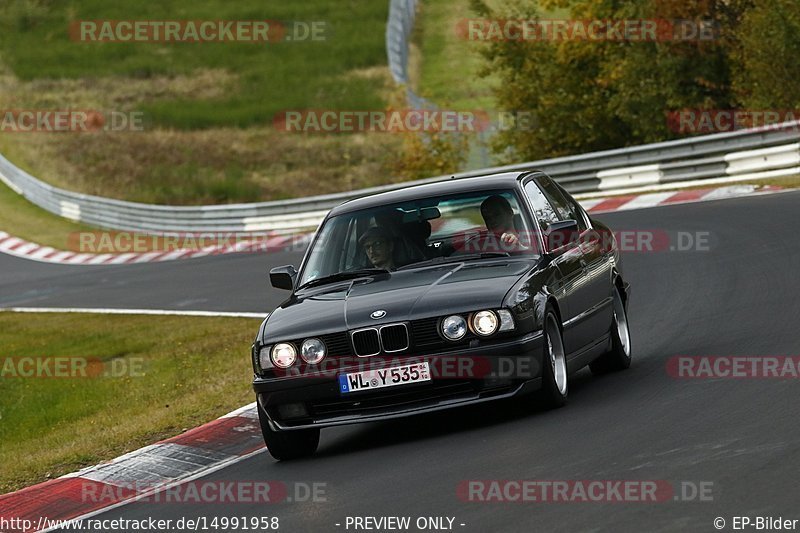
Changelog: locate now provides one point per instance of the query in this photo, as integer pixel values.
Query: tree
(599, 94)
(766, 71)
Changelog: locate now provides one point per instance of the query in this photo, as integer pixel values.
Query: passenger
(499, 219)
(378, 244)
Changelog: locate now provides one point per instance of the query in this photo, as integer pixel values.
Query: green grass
(188, 370)
(208, 108)
(34, 36)
(450, 64)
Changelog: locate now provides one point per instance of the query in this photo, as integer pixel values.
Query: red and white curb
(656, 199)
(136, 475)
(28, 250)
(20, 248)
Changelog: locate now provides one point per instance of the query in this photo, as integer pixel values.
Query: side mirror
(561, 233)
(283, 277)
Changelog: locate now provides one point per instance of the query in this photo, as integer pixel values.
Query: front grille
(394, 338)
(366, 343)
(425, 331)
(337, 344)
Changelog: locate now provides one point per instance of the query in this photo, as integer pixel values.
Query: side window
(555, 197)
(541, 206)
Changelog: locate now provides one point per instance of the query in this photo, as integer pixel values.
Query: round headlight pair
(284, 354)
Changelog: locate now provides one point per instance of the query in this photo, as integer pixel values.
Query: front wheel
(619, 356)
(286, 445)
(554, 368)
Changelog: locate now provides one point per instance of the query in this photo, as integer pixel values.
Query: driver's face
(496, 219)
(379, 250)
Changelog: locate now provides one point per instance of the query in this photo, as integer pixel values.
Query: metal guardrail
(746, 153)
(399, 26)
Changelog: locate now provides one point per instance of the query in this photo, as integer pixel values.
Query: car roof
(426, 190)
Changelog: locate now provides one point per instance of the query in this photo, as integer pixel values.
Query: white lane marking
(154, 465)
(160, 312)
(166, 486)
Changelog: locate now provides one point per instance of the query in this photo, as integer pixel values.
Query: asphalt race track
(739, 298)
(232, 282)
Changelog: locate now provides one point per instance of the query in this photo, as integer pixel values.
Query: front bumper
(491, 372)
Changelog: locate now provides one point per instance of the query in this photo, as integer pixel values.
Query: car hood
(403, 295)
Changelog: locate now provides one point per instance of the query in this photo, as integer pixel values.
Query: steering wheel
(472, 240)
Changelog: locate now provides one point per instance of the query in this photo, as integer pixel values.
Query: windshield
(465, 226)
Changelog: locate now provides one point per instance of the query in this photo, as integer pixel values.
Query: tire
(555, 380)
(619, 356)
(287, 445)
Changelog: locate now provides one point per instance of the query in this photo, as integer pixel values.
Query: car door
(599, 264)
(567, 259)
(593, 320)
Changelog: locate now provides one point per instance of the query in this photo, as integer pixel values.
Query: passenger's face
(379, 250)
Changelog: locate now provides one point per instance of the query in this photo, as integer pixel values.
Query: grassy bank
(174, 373)
(207, 134)
(249, 81)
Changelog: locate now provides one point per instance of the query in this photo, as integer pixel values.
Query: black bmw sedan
(436, 296)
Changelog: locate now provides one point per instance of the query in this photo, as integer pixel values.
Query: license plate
(384, 377)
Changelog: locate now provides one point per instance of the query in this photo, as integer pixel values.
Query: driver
(378, 244)
(499, 219)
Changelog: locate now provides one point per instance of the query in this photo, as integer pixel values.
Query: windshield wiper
(341, 276)
(454, 259)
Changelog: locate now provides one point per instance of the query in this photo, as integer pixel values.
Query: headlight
(454, 327)
(484, 323)
(283, 355)
(312, 351)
